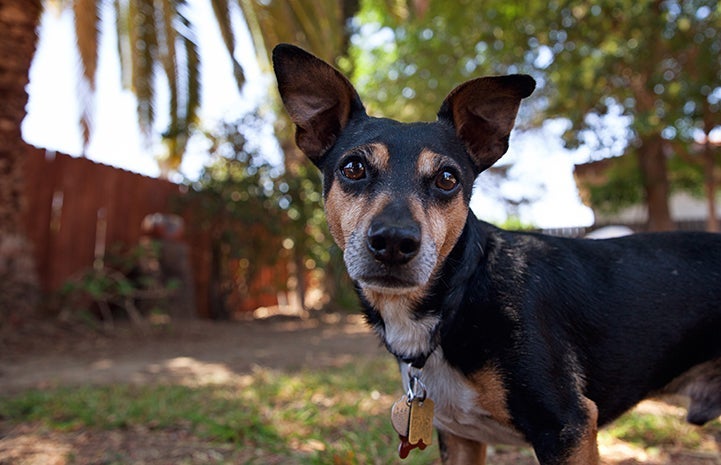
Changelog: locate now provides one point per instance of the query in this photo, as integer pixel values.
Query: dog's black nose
(393, 244)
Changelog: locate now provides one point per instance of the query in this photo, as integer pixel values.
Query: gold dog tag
(420, 425)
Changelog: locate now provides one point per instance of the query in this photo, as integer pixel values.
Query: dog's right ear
(317, 97)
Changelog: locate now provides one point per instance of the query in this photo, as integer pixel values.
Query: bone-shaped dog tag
(415, 416)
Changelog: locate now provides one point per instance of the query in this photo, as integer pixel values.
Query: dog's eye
(354, 170)
(446, 181)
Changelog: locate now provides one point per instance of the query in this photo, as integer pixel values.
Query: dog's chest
(457, 407)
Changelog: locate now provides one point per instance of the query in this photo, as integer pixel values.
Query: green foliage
(621, 189)
(406, 61)
(654, 66)
(124, 280)
(687, 176)
(623, 186)
(235, 198)
(514, 223)
(259, 215)
(302, 206)
(234, 208)
(658, 60)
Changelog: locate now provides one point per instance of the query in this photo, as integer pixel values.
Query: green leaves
(659, 62)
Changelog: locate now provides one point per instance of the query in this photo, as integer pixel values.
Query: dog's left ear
(483, 112)
(317, 97)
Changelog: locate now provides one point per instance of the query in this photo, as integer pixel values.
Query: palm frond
(319, 26)
(322, 24)
(192, 56)
(169, 59)
(154, 35)
(123, 43)
(184, 111)
(250, 11)
(221, 9)
(87, 22)
(143, 42)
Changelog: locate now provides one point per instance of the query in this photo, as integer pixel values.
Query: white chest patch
(404, 334)
(456, 404)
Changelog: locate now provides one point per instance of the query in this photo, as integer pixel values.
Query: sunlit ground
(280, 390)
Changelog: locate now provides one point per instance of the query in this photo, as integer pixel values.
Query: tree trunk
(301, 287)
(655, 180)
(19, 20)
(712, 223)
(217, 298)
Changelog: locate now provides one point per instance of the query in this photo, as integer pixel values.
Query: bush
(128, 280)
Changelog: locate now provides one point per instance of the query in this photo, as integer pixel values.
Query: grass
(647, 430)
(334, 416)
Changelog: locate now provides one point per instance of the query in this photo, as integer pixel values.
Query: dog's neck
(409, 335)
(411, 324)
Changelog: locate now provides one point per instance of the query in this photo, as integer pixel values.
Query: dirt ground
(47, 356)
(51, 356)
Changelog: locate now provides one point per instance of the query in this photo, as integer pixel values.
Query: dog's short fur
(523, 338)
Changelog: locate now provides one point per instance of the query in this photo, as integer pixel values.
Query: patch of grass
(660, 430)
(337, 416)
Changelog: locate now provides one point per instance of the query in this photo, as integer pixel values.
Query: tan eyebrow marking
(427, 163)
(376, 154)
(430, 162)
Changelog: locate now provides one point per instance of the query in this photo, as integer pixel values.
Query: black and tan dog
(522, 338)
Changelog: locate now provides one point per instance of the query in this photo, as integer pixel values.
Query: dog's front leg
(575, 444)
(459, 451)
(585, 452)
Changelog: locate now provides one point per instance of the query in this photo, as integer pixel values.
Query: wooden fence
(76, 208)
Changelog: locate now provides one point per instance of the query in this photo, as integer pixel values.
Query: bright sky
(53, 115)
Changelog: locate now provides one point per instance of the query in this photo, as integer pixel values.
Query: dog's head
(396, 194)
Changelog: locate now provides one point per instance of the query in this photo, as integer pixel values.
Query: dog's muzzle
(390, 256)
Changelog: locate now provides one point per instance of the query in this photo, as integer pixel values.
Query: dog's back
(638, 311)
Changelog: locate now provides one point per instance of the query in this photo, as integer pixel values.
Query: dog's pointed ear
(318, 98)
(483, 112)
